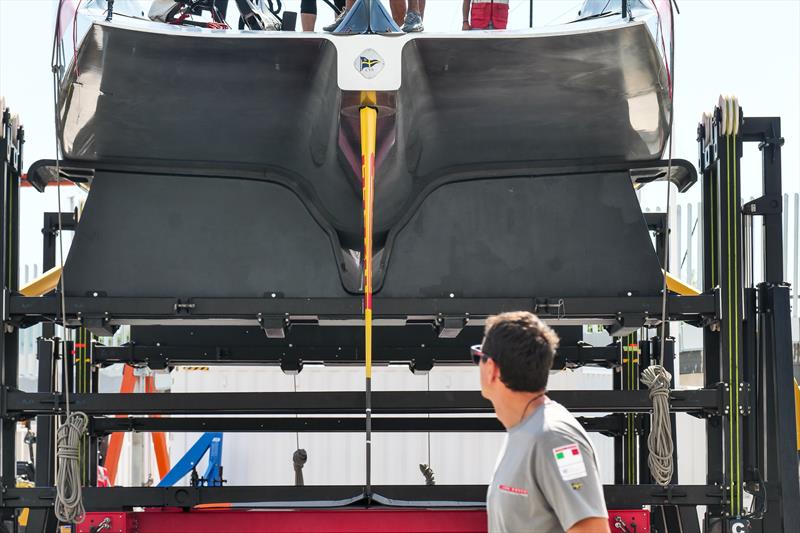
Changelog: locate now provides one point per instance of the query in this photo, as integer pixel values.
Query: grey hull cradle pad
(150, 235)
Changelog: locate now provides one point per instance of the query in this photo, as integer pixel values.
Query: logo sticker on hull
(369, 63)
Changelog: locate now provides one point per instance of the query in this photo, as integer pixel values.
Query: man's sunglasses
(477, 354)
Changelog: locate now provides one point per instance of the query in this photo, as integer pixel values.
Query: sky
(747, 48)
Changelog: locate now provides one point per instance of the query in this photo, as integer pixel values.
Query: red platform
(380, 520)
(286, 521)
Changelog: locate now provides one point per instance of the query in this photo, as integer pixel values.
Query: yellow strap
(43, 284)
(678, 286)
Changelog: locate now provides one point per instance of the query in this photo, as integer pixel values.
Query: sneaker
(413, 22)
(330, 28)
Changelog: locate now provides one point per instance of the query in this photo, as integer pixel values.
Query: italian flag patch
(570, 462)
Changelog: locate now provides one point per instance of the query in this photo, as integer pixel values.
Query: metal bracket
(421, 365)
(625, 325)
(99, 327)
(274, 327)
(763, 205)
(724, 407)
(450, 326)
(548, 307)
(770, 142)
(744, 399)
(292, 365)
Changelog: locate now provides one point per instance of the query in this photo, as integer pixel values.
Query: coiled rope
(69, 503)
(659, 442)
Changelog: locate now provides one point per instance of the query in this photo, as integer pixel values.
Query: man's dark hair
(523, 348)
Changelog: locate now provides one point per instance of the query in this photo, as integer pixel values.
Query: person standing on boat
(547, 478)
(407, 14)
(308, 12)
(485, 15)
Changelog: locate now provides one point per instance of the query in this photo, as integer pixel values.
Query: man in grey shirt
(546, 478)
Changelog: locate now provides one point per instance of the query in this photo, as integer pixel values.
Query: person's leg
(413, 5)
(335, 24)
(422, 8)
(308, 14)
(308, 21)
(398, 10)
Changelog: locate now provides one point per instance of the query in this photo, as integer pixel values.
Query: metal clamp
(724, 406)
(745, 407)
(770, 142)
(764, 205)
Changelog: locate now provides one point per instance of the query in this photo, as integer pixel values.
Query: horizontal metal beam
(104, 425)
(159, 357)
(26, 404)
(107, 498)
(393, 311)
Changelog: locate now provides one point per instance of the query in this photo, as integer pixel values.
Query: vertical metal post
(711, 337)
(530, 14)
(690, 277)
(750, 372)
(47, 353)
(796, 275)
(630, 381)
(645, 358)
(780, 445)
(619, 440)
(10, 162)
(767, 133)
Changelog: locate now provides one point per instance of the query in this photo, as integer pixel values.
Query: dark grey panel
(144, 235)
(580, 96)
(179, 98)
(566, 236)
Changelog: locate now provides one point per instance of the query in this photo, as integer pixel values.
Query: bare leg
(422, 8)
(308, 21)
(398, 10)
(413, 5)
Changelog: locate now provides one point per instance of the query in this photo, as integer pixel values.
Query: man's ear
(494, 370)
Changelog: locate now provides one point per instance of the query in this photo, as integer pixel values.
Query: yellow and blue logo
(369, 63)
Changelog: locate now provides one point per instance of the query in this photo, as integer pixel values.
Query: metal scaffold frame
(747, 399)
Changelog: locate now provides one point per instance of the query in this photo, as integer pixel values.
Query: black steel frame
(744, 412)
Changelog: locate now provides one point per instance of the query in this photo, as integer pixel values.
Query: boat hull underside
(272, 106)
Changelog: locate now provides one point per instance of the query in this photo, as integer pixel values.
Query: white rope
(68, 506)
(659, 441)
(69, 502)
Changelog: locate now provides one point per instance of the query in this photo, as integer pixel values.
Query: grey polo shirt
(546, 478)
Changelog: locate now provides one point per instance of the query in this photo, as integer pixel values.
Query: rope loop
(69, 498)
(659, 442)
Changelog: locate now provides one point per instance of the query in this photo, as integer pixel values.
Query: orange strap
(159, 438)
(115, 443)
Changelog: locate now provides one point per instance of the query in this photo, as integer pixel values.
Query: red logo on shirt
(513, 490)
